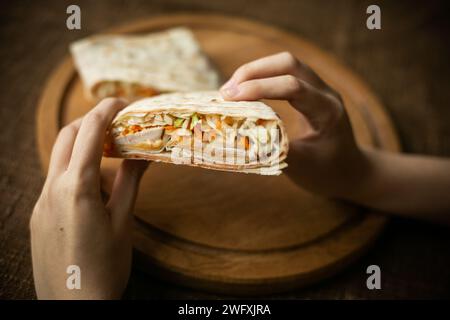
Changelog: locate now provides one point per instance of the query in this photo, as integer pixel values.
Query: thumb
(124, 191)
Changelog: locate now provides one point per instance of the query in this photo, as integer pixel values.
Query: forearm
(326, 159)
(409, 185)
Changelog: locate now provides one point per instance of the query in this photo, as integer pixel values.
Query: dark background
(406, 64)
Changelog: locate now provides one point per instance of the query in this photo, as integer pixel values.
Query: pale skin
(327, 159)
(73, 225)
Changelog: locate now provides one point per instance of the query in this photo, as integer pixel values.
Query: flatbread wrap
(201, 129)
(136, 66)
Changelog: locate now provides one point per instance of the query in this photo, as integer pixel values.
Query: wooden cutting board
(237, 233)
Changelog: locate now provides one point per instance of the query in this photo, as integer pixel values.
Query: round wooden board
(228, 232)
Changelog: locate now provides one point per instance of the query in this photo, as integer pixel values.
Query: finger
(275, 65)
(125, 190)
(88, 149)
(62, 149)
(315, 105)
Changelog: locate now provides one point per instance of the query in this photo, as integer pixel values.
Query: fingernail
(231, 91)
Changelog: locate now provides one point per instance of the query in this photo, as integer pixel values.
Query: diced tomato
(135, 128)
(132, 129)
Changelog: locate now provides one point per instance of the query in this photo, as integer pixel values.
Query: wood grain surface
(405, 63)
(288, 239)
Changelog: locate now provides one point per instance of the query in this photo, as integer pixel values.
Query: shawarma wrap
(137, 66)
(201, 129)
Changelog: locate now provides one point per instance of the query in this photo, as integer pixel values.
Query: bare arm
(410, 185)
(327, 160)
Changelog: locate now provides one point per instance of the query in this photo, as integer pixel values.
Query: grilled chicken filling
(241, 138)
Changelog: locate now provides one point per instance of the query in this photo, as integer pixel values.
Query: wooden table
(405, 63)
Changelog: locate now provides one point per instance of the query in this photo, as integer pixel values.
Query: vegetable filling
(222, 137)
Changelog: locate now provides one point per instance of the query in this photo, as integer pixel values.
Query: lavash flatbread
(143, 65)
(247, 121)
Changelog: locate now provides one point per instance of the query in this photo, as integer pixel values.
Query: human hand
(326, 159)
(72, 225)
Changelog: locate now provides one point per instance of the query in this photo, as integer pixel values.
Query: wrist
(362, 169)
